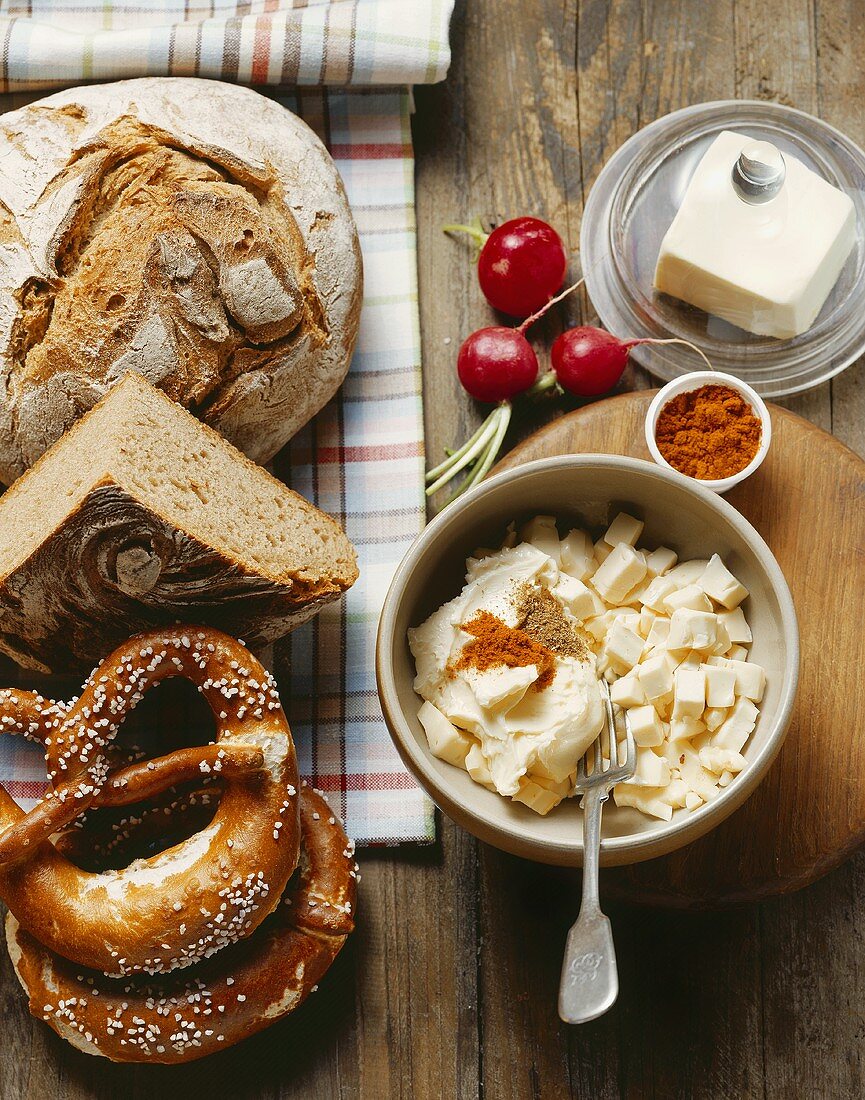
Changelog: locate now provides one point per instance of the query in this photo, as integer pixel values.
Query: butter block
(767, 268)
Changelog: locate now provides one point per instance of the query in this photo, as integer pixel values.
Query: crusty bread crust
(192, 231)
(141, 516)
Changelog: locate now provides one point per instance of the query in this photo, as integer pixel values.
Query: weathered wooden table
(448, 989)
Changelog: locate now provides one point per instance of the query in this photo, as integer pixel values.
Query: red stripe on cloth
(261, 51)
(371, 151)
(372, 453)
(369, 781)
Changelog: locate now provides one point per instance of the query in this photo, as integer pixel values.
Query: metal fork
(590, 981)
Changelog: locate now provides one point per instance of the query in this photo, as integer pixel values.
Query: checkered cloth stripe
(361, 459)
(55, 43)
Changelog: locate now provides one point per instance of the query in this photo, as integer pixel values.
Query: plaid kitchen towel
(361, 459)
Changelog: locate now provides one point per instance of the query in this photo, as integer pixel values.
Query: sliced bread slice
(141, 515)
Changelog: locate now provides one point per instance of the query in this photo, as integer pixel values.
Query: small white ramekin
(694, 381)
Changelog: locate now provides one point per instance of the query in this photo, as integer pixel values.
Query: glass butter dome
(631, 207)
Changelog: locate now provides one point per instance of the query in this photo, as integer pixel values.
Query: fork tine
(611, 726)
(631, 759)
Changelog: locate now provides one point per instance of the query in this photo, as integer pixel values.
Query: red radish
(495, 364)
(589, 361)
(521, 264)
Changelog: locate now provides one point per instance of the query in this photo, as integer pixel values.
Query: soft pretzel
(172, 909)
(246, 987)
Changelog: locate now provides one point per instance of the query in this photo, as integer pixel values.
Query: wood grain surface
(806, 500)
(448, 988)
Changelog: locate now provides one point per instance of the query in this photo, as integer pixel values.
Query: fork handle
(590, 980)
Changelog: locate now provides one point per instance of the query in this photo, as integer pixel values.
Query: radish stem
(672, 340)
(475, 230)
(455, 456)
(477, 449)
(481, 470)
(546, 382)
(537, 316)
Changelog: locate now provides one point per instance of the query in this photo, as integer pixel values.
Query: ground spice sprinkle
(708, 433)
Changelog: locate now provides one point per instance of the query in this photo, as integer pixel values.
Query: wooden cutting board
(808, 502)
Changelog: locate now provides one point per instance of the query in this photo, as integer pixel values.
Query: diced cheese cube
(458, 703)
(478, 769)
(646, 726)
(720, 686)
(714, 717)
(676, 794)
(689, 689)
(597, 627)
(737, 728)
(542, 534)
(624, 528)
(652, 770)
(664, 706)
(445, 741)
(684, 729)
(722, 640)
(719, 760)
(692, 660)
(693, 800)
(656, 675)
(718, 582)
(542, 777)
(724, 779)
(576, 597)
(692, 630)
(647, 617)
(627, 691)
(536, 797)
(660, 560)
(601, 551)
(659, 633)
(645, 799)
(736, 625)
(737, 653)
(624, 568)
(501, 687)
(698, 778)
(750, 679)
(577, 554)
(687, 572)
(658, 590)
(690, 596)
(622, 646)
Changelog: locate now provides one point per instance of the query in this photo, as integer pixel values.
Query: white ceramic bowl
(694, 381)
(584, 489)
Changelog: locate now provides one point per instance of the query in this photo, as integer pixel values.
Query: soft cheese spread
(509, 669)
(507, 662)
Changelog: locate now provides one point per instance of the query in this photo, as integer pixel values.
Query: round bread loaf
(194, 232)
